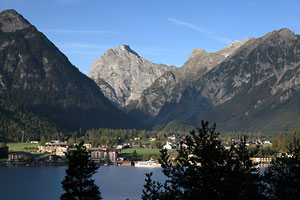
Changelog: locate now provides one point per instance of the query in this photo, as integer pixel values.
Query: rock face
(35, 75)
(10, 21)
(253, 85)
(255, 89)
(123, 75)
(170, 86)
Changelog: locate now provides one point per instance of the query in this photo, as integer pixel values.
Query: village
(131, 153)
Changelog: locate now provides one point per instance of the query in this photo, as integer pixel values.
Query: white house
(167, 146)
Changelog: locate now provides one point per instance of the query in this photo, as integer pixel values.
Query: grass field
(142, 151)
(127, 153)
(21, 146)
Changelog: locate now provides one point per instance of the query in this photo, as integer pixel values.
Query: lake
(36, 183)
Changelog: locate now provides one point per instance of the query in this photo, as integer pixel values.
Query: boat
(149, 163)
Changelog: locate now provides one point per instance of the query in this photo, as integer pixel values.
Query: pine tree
(134, 156)
(204, 169)
(283, 176)
(243, 180)
(3, 150)
(78, 183)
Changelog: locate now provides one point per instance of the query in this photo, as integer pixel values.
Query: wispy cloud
(191, 26)
(200, 29)
(77, 31)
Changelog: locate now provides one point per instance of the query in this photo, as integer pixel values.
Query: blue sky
(162, 31)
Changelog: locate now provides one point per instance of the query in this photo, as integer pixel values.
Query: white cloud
(200, 29)
(191, 26)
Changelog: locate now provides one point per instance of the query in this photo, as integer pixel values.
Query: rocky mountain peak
(227, 51)
(11, 21)
(123, 50)
(123, 75)
(197, 51)
(287, 34)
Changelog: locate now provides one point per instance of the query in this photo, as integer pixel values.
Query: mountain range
(249, 86)
(36, 76)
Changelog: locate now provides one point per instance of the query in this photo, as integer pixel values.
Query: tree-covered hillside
(15, 121)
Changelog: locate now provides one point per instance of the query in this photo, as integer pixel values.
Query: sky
(161, 31)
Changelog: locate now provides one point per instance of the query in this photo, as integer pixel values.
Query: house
(167, 146)
(20, 156)
(99, 155)
(262, 161)
(87, 145)
(57, 147)
(172, 138)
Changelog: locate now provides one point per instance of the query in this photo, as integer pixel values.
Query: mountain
(36, 76)
(255, 89)
(249, 86)
(123, 75)
(169, 88)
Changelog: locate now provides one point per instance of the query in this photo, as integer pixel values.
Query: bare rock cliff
(123, 75)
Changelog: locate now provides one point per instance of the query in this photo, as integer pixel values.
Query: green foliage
(15, 121)
(154, 153)
(283, 141)
(134, 156)
(3, 151)
(78, 183)
(266, 151)
(176, 126)
(284, 174)
(205, 170)
(22, 147)
(146, 157)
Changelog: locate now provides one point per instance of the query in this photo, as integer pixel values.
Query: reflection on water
(35, 183)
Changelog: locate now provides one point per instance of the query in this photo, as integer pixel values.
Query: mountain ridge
(122, 74)
(35, 75)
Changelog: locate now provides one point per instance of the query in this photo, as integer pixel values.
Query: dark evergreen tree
(205, 170)
(152, 189)
(78, 183)
(134, 156)
(243, 179)
(283, 176)
(3, 150)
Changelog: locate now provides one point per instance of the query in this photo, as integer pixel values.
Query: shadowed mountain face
(255, 89)
(169, 88)
(35, 75)
(248, 86)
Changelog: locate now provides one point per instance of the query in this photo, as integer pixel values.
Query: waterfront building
(100, 155)
(56, 147)
(19, 156)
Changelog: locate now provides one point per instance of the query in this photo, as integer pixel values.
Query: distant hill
(36, 76)
(177, 126)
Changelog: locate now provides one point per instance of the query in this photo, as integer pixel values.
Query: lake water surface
(44, 183)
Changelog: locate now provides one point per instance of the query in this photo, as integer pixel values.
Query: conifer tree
(78, 183)
(283, 176)
(204, 169)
